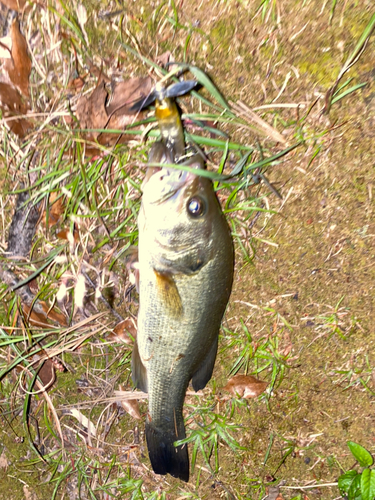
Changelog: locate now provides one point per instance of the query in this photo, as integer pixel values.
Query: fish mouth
(172, 181)
(164, 183)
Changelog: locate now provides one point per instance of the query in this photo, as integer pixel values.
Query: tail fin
(164, 456)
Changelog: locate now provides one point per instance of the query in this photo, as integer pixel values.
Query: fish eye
(196, 206)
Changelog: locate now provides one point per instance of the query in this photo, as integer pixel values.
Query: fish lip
(185, 178)
(159, 187)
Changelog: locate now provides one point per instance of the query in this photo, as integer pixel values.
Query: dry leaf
(40, 319)
(77, 84)
(126, 93)
(122, 330)
(3, 461)
(56, 209)
(93, 113)
(35, 318)
(29, 494)
(47, 374)
(65, 234)
(12, 105)
(245, 386)
(14, 80)
(164, 58)
(83, 420)
(53, 315)
(19, 66)
(131, 406)
(124, 96)
(17, 5)
(273, 493)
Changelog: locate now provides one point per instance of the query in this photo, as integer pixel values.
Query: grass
(239, 449)
(359, 485)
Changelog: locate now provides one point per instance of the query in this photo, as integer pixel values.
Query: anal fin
(204, 372)
(139, 372)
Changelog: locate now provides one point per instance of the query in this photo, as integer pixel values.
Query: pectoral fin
(168, 293)
(139, 373)
(204, 372)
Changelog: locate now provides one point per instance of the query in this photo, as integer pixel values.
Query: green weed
(210, 430)
(256, 355)
(359, 485)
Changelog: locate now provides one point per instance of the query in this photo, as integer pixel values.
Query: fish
(186, 263)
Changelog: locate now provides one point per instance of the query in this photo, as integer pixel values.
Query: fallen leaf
(126, 93)
(66, 234)
(122, 330)
(3, 461)
(12, 105)
(75, 83)
(82, 419)
(56, 209)
(34, 318)
(245, 386)
(164, 58)
(29, 494)
(53, 315)
(39, 319)
(131, 406)
(34, 287)
(47, 374)
(273, 494)
(19, 66)
(93, 112)
(17, 5)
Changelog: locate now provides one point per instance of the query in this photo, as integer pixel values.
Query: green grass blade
(204, 80)
(347, 92)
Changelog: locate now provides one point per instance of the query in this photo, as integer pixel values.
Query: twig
(310, 486)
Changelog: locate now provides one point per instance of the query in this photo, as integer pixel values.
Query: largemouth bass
(186, 265)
